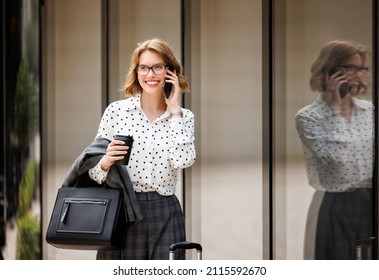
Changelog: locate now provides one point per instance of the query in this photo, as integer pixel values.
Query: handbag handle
(83, 180)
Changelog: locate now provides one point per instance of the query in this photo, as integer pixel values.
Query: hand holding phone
(168, 86)
(344, 88)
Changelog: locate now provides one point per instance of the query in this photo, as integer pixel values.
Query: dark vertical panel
(268, 126)
(40, 6)
(375, 83)
(183, 38)
(2, 125)
(105, 53)
(190, 45)
(11, 60)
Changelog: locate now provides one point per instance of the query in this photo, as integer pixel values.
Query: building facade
(248, 63)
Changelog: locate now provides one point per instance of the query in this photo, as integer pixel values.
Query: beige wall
(227, 179)
(131, 23)
(77, 75)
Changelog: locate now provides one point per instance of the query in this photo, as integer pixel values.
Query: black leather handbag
(87, 218)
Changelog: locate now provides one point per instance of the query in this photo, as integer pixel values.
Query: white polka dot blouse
(159, 150)
(338, 152)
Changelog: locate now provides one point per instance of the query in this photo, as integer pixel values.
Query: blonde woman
(163, 135)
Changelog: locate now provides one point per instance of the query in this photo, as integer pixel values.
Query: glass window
(224, 60)
(324, 157)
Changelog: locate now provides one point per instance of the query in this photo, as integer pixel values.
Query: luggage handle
(185, 245)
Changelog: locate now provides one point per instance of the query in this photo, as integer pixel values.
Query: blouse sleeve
(104, 131)
(97, 174)
(182, 147)
(327, 137)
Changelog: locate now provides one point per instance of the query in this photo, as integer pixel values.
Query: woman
(163, 135)
(337, 134)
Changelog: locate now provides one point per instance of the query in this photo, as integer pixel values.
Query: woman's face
(354, 70)
(151, 72)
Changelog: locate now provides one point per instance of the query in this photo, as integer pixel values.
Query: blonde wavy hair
(131, 86)
(331, 55)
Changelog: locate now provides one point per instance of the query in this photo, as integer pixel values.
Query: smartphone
(168, 86)
(344, 88)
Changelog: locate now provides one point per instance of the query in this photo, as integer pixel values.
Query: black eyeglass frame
(354, 69)
(150, 68)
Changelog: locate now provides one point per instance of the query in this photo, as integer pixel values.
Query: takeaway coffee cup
(128, 142)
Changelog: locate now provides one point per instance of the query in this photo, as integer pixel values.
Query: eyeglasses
(352, 69)
(158, 69)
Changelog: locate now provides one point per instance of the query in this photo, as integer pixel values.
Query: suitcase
(185, 246)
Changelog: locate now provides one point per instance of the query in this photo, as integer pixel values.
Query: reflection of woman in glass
(337, 134)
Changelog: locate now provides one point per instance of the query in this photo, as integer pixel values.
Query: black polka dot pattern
(338, 152)
(160, 148)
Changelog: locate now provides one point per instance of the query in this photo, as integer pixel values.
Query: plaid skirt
(345, 221)
(150, 239)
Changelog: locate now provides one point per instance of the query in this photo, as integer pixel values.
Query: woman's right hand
(116, 151)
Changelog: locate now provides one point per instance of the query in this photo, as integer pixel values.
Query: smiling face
(151, 83)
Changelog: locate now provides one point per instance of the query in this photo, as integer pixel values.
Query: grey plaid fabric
(344, 219)
(150, 239)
